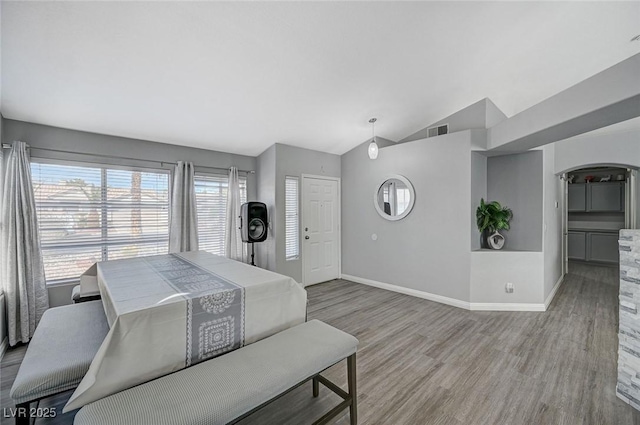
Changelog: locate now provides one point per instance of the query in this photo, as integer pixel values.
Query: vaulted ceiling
(241, 76)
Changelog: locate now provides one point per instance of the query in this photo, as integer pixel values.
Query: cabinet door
(577, 249)
(606, 197)
(577, 197)
(603, 247)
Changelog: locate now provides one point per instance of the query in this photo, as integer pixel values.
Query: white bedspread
(171, 311)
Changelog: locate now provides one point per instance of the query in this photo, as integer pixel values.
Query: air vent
(438, 130)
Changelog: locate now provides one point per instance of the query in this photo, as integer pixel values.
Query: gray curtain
(21, 266)
(233, 246)
(183, 225)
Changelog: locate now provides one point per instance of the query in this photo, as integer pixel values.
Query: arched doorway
(599, 200)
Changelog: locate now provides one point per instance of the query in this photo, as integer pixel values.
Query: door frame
(302, 199)
(565, 224)
(630, 199)
(631, 202)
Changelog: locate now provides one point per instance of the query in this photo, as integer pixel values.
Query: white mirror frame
(412, 201)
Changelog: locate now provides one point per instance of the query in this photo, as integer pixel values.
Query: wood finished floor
(421, 362)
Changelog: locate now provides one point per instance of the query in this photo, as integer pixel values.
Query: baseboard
(3, 347)
(408, 291)
(549, 299)
(507, 307)
(446, 300)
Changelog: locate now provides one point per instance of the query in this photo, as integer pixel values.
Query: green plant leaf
(492, 216)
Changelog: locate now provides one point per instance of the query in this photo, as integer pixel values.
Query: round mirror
(394, 198)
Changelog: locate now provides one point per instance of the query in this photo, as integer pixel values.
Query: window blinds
(89, 214)
(211, 203)
(292, 230)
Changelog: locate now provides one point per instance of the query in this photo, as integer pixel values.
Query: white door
(320, 230)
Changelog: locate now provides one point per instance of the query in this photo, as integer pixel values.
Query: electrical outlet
(508, 288)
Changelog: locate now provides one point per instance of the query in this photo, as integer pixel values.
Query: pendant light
(373, 146)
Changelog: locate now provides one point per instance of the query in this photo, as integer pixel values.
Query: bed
(170, 312)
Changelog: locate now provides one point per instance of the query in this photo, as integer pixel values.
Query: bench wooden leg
(316, 386)
(353, 392)
(349, 399)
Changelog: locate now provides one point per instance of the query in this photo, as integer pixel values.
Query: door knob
(306, 237)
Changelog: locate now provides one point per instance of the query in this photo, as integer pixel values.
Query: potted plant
(491, 217)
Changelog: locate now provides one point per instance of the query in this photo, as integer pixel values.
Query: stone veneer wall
(628, 388)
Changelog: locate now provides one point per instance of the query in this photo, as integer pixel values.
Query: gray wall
(604, 99)
(516, 181)
(429, 249)
(266, 176)
(494, 115)
(274, 165)
(3, 324)
(478, 191)
(638, 201)
(621, 148)
(480, 115)
(96, 148)
(3, 330)
(293, 161)
(553, 218)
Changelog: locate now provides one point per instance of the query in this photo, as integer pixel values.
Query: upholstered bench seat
(60, 352)
(227, 388)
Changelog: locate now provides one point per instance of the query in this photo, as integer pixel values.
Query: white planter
(496, 240)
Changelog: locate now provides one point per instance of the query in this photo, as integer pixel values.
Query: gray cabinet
(577, 197)
(596, 197)
(598, 245)
(577, 249)
(605, 197)
(603, 247)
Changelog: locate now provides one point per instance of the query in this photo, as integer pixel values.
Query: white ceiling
(238, 77)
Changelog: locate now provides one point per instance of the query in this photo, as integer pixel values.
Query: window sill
(66, 282)
(293, 258)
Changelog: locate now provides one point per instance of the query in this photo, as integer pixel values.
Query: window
(292, 229)
(403, 197)
(89, 214)
(211, 203)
